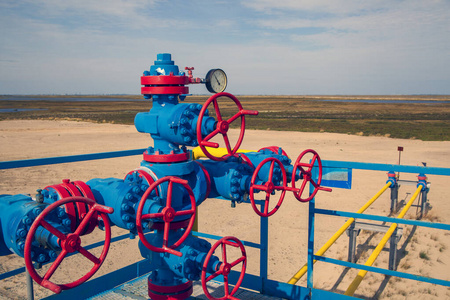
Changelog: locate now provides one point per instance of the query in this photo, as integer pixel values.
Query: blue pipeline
(231, 179)
(173, 269)
(171, 124)
(17, 213)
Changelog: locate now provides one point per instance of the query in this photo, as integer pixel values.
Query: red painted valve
(268, 187)
(225, 267)
(69, 242)
(76, 211)
(222, 126)
(168, 214)
(305, 169)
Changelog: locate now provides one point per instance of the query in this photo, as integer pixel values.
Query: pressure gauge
(216, 81)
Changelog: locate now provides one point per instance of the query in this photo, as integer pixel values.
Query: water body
(115, 99)
(65, 99)
(3, 110)
(385, 101)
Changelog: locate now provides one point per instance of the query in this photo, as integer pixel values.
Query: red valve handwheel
(222, 126)
(225, 267)
(168, 214)
(307, 176)
(69, 243)
(268, 187)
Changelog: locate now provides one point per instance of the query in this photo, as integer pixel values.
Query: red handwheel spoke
(233, 118)
(211, 135)
(225, 285)
(214, 275)
(314, 183)
(225, 268)
(69, 242)
(55, 265)
(268, 186)
(166, 234)
(184, 212)
(85, 221)
(224, 253)
(266, 204)
(169, 194)
(227, 143)
(221, 126)
(152, 216)
(307, 176)
(237, 261)
(260, 187)
(217, 109)
(89, 255)
(52, 229)
(272, 166)
(167, 214)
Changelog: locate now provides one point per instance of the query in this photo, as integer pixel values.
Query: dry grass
(286, 113)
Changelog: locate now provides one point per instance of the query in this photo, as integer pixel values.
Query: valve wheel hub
(270, 187)
(223, 127)
(71, 243)
(226, 269)
(168, 214)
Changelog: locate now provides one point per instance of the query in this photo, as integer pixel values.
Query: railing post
(352, 234)
(263, 254)
(30, 291)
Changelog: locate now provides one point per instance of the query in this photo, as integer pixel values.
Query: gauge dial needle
(217, 79)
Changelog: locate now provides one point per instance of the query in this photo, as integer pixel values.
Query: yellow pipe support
(362, 273)
(217, 152)
(338, 233)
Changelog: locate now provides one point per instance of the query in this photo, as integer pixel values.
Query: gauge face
(216, 81)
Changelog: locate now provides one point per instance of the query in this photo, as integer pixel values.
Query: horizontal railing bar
(218, 237)
(386, 167)
(91, 246)
(382, 219)
(12, 164)
(382, 271)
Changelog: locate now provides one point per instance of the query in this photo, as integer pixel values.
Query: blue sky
(293, 47)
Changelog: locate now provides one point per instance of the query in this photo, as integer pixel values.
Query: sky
(291, 47)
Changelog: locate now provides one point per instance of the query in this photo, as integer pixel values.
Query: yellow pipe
(362, 273)
(338, 233)
(217, 152)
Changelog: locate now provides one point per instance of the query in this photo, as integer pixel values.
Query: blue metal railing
(261, 282)
(374, 167)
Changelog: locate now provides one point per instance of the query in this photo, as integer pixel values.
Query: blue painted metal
(382, 219)
(337, 177)
(17, 213)
(311, 226)
(217, 237)
(383, 271)
(105, 282)
(169, 123)
(230, 179)
(123, 196)
(14, 164)
(88, 247)
(172, 269)
(386, 167)
(392, 179)
(173, 127)
(264, 250)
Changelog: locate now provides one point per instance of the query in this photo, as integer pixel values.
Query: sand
(287, 228)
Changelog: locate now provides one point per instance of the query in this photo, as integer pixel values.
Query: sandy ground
(287, 240)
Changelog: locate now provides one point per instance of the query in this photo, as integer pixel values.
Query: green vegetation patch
(428, 122)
